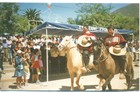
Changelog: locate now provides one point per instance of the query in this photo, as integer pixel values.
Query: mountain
(131, 10)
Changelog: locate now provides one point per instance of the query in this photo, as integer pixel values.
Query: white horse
(74, 60)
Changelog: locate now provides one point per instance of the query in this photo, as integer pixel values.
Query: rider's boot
(122, 67)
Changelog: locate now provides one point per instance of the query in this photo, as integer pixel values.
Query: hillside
(131, 10)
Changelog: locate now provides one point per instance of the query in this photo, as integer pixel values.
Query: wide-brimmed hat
(117, 50)
(19, 51)
(83, 41)
(36, 47)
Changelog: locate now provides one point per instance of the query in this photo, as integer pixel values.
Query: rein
(73, 47)
(99, 59)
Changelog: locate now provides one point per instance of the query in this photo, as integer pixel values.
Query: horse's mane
(101, 41)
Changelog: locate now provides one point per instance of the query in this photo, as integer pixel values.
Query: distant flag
(49, 5)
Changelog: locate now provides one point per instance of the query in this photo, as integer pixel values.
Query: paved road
(89, 81)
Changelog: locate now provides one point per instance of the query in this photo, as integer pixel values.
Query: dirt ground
(62, 83)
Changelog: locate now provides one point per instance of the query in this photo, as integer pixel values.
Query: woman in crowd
(54, 59)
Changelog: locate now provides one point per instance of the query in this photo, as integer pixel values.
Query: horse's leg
(72, 80)
(100, 84)
(129, 76)
(129, 71)
(102, 81)
(109, 86)
(103, 88)
(81, 87)
(107, 81)
(128, 81)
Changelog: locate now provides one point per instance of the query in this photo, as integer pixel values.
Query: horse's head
(99, 51)
(65, 42)
(97, 45)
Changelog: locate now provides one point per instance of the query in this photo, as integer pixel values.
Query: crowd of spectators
(133, 48)
(28, 57)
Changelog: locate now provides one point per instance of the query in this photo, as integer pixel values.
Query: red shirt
(89, 34)
(114, 40)
(93, 37)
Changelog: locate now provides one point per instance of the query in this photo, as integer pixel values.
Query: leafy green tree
(92, 8)
(21, 24)
(33, 16)
(72, 21)
(91, 14)
(99, 15)
(7, 16)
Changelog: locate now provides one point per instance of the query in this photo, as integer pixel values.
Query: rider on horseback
(116, 44)
(85, 46)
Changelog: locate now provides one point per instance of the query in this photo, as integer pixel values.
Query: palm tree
(33, 15)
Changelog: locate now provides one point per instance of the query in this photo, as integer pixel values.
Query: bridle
(67, 45)
(101, 58)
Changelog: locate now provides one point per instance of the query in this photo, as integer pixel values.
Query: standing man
(5, 46)
(115, 42)
(9, 42)
(43, 54)
(1, 57)
(85, 46)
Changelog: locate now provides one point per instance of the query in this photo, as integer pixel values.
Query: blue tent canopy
(123, 31)
(104, 30)
(69, 29)
(56, 29)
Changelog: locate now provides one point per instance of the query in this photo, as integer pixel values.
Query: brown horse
(74, 59)
(108, 67)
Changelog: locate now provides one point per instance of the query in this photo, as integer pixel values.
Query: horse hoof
(128, 86)
(71, 89)
(81, 87)
(98, 88)
(104, 87)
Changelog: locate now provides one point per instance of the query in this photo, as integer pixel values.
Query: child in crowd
(19, 73)
(41, 65)
(35, 66)
(26, 66)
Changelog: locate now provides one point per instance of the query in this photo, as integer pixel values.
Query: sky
(58, 12)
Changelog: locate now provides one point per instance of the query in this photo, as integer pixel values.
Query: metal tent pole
(47, 69)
